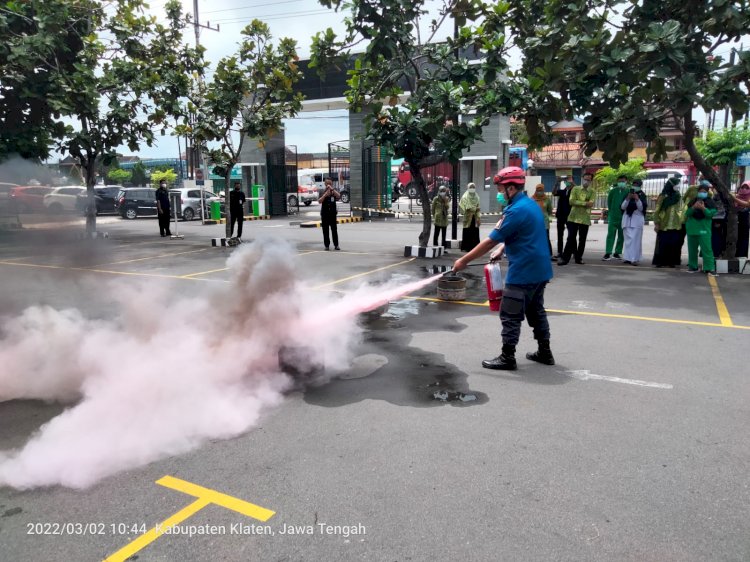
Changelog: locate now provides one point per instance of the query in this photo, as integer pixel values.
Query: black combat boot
(506, 361)
(543, 354)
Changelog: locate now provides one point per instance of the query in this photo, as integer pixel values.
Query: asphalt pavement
(632, 447)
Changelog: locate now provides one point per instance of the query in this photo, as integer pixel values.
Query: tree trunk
(718, 182)
(89, 168)
(418, 179)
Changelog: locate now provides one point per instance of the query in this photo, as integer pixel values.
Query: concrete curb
(318, 224)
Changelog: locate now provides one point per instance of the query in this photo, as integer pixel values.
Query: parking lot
(632, 447)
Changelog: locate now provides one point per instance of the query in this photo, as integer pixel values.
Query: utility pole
(194, 153)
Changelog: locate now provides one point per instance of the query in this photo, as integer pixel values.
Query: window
(71, 191)
(194, 193)
(657, 176)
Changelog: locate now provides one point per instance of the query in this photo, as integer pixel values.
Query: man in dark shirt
(562, 192)
(163, 208)
(236, 210)
(328, 215)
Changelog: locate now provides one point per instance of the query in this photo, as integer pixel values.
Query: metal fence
(376, 177)
(339, 171)
(281, 164)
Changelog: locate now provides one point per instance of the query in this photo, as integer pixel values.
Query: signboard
(199, 177)
(743, 159)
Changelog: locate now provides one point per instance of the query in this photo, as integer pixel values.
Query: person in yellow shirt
(581, 201)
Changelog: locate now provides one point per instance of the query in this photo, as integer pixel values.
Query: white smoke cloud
(170, 372)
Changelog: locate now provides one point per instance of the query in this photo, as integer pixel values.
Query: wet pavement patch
(12, 512)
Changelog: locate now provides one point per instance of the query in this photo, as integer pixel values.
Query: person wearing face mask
(581, 201)
(668, 226)
(742, 203)
(633, 218)
(718, 222)
(236, 209)
(162, 208)
(617, 194)
(440, 205)
(698, 217)
(562, 192)
(521, 235)
(468, 205)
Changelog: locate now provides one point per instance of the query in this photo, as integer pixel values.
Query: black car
(134, 202)
(105, 196)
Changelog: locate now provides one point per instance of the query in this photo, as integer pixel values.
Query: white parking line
(584, 375)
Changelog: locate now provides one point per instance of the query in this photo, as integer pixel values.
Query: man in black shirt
(562, 192)
(328, 215)
(236, 209)
(163, 208)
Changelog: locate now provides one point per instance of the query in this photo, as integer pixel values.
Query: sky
(298, 19)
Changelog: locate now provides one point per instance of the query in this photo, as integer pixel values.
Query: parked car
(28, 198)
(5, 189)
(63, 199)
(191, 202)
(655, 178)
(305, 194)
(133, 202)
(105, 197)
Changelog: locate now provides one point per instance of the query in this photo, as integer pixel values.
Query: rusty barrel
(451, 288)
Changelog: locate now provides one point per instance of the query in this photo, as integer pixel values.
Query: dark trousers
(561, 221)
(164, 224)
(519, 302)
(330, 222)
(549, 243)
(239, 218)
(743, 233)
(571, 248)
(718, 236)
(435, 236)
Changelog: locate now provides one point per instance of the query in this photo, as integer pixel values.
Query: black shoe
(626, 262)
(543, 355)
(562, 262)
(337, 248)
(506, 361)
(606, 257)
(327, 249)
(617, 256)
(580, 262)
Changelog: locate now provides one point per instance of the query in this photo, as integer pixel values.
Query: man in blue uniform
(524, 237)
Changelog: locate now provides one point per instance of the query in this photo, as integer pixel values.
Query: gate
(281, 164)
(376, 177)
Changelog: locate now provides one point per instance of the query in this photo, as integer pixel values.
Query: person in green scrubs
(617, 195)
(698, 227)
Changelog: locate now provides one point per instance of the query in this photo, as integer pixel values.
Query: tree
(169, 176)
(414, 89)
(119, 176)
(518, 133)
(607, 176)
(139, 176)
(631, 75)
(129, 76)
(721, 148)
(250, 93)
(40, 41)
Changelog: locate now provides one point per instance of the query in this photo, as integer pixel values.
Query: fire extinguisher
(493, 275)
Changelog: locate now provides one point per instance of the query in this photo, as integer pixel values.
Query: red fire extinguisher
(493, 275)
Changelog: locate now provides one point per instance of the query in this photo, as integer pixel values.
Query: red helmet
(511, 174)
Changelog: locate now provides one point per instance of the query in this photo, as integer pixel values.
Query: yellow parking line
(363, 274)
(223, 500)
(721, 308)
(147, 538)
(193, 275)
(152, 257)
(205, 497)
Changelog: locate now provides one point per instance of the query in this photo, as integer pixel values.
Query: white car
(655, 178)
(63, 198)
(191, 201)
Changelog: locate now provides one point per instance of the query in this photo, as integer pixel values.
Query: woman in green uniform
(698, 227)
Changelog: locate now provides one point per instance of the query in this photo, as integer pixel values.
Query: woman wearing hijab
(633, 219)
(545, 204)
(468, 206)
(668, 226)
(440, 214)
(742, 202)
(698, 217)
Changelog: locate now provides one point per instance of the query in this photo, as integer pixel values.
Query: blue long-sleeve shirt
(525, 236)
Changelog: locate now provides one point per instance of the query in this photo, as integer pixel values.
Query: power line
(267, 17)
(252, 6)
